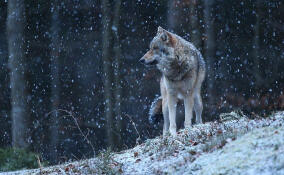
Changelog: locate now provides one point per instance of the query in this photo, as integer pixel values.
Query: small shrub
(106, 164)
(14, 159)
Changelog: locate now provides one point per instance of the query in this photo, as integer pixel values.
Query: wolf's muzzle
(142, 60)
(150, 63)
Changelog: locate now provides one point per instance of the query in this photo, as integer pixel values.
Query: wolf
(183, 71)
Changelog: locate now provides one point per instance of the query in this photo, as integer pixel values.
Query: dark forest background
(63, 60)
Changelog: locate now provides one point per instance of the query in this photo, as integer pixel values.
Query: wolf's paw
(173, 132)
(199, 121)
(187, 125)
(166, 133)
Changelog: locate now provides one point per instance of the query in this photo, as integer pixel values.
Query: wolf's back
(155, 113)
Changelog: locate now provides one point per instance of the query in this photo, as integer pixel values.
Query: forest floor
(233, 145)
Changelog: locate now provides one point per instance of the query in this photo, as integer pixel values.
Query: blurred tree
(16, 21)
(5, 126)
(256, 66)
(209, 48)
(117, 70)
(264, 76)
(107, 71)
(112, 72)
(173, 15)
(195, 35)
(55, 83)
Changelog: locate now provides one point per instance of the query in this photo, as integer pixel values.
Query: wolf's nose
(142, 60)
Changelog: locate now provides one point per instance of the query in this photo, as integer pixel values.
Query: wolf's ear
(160, 30)
(164, 36)
(163, 33)
(168, 38)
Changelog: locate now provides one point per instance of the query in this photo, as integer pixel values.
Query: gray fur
(183, 70)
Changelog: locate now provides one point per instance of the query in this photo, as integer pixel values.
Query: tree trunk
(256, 68)
(209, 50)
(195, 29)
(16, 20)
(107, 71)
(117, 69)
(172, 15)
(55, 85)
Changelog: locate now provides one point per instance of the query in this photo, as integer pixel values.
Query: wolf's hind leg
(198, 107)
(188, 105)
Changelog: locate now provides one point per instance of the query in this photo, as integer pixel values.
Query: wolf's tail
(155, 113)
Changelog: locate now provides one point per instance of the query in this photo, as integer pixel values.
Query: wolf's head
(161, 47)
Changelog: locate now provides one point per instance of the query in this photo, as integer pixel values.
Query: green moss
(14, 159)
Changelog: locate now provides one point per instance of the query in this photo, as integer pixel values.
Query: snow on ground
(236, 145)
(172, 155)
(258, 152)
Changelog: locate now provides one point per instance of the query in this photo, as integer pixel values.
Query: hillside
(234, 145)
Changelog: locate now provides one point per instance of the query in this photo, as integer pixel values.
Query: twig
(86, 138)
(39, 164)
(74, 156)
(132, 122)
(87, 133)
(70, 114)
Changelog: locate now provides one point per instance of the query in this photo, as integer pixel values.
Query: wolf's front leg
(172, 104)
(188, 105)
(165, 110)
